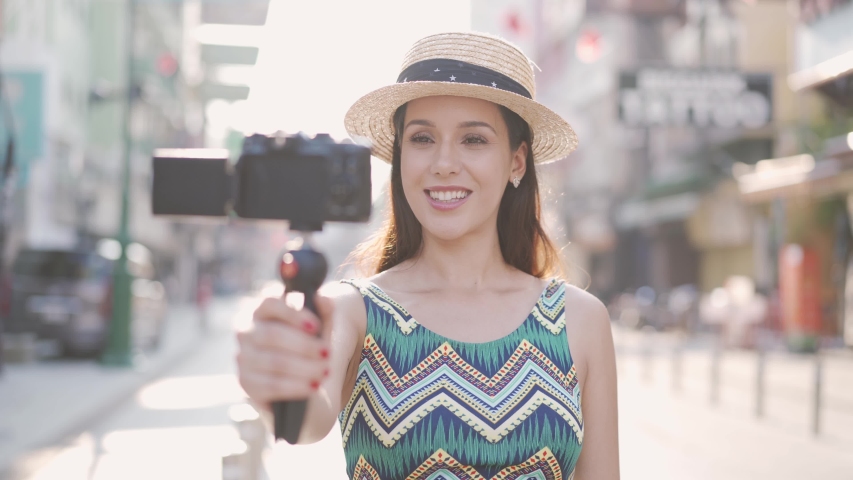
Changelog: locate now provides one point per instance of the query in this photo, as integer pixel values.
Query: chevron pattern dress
(428, 407)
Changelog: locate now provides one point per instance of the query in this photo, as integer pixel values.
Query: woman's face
(455, 164)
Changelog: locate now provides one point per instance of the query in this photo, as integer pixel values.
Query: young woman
(462, 356)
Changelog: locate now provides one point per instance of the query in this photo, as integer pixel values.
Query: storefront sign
(699, 98)
(644, 213)
(24, 90)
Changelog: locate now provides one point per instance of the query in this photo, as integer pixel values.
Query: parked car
(66, 296)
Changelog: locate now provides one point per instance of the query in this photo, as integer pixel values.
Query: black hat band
(454, 71)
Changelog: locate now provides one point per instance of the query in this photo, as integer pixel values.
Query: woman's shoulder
(587, 325)
(347, 297)
(585, 309)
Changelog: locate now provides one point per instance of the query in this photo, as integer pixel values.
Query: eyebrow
(476, 123)
(425, 123)
(468, 124)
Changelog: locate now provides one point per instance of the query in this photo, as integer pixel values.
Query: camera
(306, 181)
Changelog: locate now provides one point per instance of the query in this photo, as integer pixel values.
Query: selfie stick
(302, 269)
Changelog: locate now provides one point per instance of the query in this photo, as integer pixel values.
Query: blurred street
(176, 425)
(667, 434)
(709, 205)
(73, 419)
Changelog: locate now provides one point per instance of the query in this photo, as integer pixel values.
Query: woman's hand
(283, 357)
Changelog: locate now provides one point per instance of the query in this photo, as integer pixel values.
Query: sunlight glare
(315, 65)
(72, 463)
(180, 393)
(165, 453)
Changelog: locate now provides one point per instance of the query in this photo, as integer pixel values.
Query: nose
(445, 162)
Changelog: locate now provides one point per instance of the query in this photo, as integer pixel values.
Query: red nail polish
(315, 384)
(324, 353)
(309, 326)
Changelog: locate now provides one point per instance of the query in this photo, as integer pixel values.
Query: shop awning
(822, 72)
(645, 213)
(800, 175)
(833, 77)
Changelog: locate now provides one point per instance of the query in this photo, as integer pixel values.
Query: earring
(515, 181)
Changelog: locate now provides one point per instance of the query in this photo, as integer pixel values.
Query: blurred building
(66, 68)
(678, 105)
(45, 58)
(227, 41)
(805, 190)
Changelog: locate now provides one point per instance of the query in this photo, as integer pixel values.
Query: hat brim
(371, 116)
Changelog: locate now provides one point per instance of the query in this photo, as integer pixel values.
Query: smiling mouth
(447, 196)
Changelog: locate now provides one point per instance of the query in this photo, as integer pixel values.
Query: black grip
(302, 270)
(288, 416)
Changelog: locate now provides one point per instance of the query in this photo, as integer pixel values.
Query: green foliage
(813, 136)
(827, 211)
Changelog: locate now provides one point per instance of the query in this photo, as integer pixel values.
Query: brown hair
(523, 242)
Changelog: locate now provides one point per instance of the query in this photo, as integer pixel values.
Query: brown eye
(474, 140)
(420, 138)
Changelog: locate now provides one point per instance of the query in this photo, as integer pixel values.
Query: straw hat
(468, 65)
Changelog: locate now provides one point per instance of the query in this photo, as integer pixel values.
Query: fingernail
(324, 353)
(309, 326)
(315, 384)
(326, 372)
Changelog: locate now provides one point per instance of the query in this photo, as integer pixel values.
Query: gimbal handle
(302, 269)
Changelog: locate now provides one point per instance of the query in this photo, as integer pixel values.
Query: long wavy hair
(523, 241)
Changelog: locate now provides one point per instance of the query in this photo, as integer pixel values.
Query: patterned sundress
(428, 407)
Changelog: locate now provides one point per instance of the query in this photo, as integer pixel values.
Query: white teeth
(445, 196)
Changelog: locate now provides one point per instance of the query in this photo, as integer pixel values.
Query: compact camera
(306, 181)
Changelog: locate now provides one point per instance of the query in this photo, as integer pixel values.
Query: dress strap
(376, 301)
(359, 284)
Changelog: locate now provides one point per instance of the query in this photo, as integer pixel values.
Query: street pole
(817, 397)
(118, 351)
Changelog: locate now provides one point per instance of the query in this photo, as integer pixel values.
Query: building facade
(805, 191)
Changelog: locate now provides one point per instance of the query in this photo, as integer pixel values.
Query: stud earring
(515, 181)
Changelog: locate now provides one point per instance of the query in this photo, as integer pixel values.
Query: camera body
(306, 181)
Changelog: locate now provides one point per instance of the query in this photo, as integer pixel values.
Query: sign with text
(699, 98)
(25, 92)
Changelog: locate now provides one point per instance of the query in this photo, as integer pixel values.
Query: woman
(460, 357)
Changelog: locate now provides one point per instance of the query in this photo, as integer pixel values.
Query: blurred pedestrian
(204, 294)
(488, 380)
(737, 309)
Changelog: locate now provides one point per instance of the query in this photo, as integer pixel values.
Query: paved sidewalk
(789, 382)
(176, 426)
(45, 402)
(677, 433)
(665, 436)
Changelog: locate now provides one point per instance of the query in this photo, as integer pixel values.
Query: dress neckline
(409, 317)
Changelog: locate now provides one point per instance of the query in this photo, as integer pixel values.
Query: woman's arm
(599, 459)
(345, 349)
